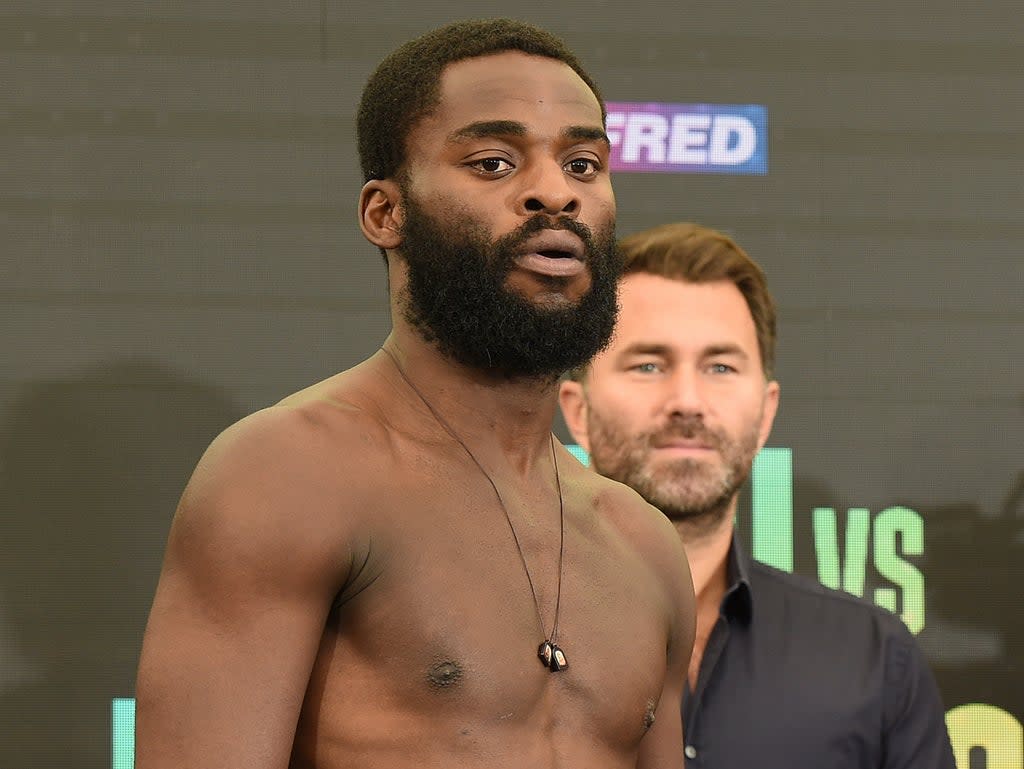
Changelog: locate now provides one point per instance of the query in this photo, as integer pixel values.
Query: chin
(550, 300)
(556, 292)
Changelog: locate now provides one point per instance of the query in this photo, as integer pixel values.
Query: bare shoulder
(297, 478)
(638, 522)
(267, 532)
(652, 537)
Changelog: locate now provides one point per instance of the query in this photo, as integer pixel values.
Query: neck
(513, 417)
(708, 554)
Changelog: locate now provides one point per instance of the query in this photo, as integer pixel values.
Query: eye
(647, 367)
(583, 167)
(721, 368)
(492, 166)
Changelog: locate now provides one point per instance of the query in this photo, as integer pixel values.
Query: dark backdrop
(178, 247)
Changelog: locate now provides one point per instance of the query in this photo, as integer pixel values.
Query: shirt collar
(737, 603)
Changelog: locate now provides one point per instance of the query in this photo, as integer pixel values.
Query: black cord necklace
(549, 652)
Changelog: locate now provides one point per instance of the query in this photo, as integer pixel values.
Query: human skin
(341, 587)
(681, 351)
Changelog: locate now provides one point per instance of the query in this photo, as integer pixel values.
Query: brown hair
(697, 254)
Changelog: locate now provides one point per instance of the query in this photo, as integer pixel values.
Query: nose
(547, 189)
(685, 396)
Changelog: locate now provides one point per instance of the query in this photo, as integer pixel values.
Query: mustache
(688, 427)
(540, 222)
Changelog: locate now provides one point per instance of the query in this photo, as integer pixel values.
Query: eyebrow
(586, 133)
(725, 349)
(646, 348)
(496, 128)
(664, 350)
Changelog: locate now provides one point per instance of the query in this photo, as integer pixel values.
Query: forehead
(682, 315)
(512, 85)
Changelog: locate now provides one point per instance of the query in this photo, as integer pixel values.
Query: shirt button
(691, 752)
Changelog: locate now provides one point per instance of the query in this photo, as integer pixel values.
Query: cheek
(602, 210)
(441, 197)
(615, 426)
(627, 399)
(743, 424)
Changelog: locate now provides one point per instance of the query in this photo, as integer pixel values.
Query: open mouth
(559, 264)
(554, 254)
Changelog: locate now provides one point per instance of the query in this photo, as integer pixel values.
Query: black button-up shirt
(798, 676)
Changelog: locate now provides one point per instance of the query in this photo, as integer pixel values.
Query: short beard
(456, 296)
(688, 491)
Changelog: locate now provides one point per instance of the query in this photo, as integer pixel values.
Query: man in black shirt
(785, 673)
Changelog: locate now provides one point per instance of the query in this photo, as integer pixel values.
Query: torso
(429, 656)
(825, 680)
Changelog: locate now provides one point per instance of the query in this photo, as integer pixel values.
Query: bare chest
(462, 597)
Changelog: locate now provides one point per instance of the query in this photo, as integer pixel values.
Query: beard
(456, 296)
(689, 490)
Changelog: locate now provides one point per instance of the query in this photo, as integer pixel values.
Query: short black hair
(406, 85)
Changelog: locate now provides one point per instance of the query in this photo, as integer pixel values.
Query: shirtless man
(398, 566)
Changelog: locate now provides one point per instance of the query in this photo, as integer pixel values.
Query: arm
(662, 746)
(252, 564)
(915, 732)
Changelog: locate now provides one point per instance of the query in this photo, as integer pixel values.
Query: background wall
(178, 247)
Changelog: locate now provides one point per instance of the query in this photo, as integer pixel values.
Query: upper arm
(254, 558)
(914, 719)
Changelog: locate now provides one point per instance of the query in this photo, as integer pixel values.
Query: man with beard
(399, 566)
(785, 673)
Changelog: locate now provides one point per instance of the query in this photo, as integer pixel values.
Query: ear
(771, 407)
(380, 213)
(573, 400)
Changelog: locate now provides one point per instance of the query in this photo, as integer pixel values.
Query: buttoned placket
(692, 701)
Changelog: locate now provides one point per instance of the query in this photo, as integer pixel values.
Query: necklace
(549, 652)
